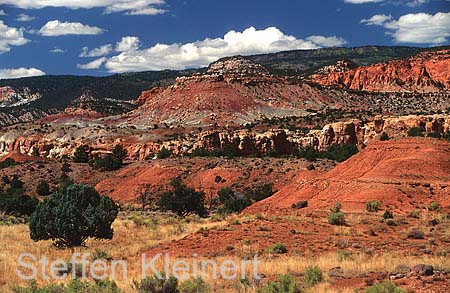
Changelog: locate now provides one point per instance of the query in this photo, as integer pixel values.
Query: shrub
(72, 215)
(285, 284)
(42, 188)
(200, 152)
(110, 162)
(415, 132)
(278, 248)
(434, 135)
(8, 162)
(163, 153)
(119, 153)
(232, 202)
(76, 285)
(344, 255)
(388, 215)
(414, 214)
(16, 183)
(434, 206)
(6, 180)
(337, 206)
(384, 136)
(385, 287)
(156, 285)
(17, 204)
(183, 200)
(341, 153)
(81, 155)
(416, 234)
(66, 167)
(196, 285)
(260, 192)
(101, 254)
(373, 206)
(337, 218)
(309, 153)
(313, 276)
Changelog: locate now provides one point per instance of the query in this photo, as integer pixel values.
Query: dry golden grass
(130, 240)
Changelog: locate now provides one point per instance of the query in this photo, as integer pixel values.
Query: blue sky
(101, 37)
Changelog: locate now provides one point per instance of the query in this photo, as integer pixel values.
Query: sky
(104, 37)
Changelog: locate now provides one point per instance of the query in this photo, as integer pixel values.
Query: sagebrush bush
(196, 285)
(337, 219)
(373, 206)
(284, 284)
(277, 248)
(74, 286)
(434, 206)
(156, 285)
(313, 276)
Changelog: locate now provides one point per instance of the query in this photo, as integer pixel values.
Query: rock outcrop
(63, 141)
(426, 72)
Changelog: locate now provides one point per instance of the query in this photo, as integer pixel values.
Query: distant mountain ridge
(49, 94)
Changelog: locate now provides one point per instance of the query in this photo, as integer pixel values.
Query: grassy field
(135, 234)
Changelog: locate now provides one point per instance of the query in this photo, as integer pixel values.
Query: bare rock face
(62, 142)
(237, 66)
(426, 72)
(246, 142)
(147, 96)
(10, 97)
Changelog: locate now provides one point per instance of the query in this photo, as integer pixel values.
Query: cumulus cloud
(24, 18)
(10, 36)
(20, 72)
(56, 28)
(130, 7)
(417, 28)
(128, 44)
(97, 52)
(96, 64)
(202, 53)
(378, 19)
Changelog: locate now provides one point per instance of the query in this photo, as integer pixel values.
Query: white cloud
(415, 3)
(97, 52)
(418, 28)
(130, 7)
(411, 3)
(10, 36)
(56, 28)
(327, 41)
(2, 13)
(128, 44)
(25, 18)
(202, 53)
(57, 51)
(378, 19)
(20, 72)
(96, 64)
(362, 1)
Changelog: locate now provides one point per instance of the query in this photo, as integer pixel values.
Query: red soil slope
(402, 174)
(208, 175)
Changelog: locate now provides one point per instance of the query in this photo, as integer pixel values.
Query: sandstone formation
(54, 143)
(427, 72)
